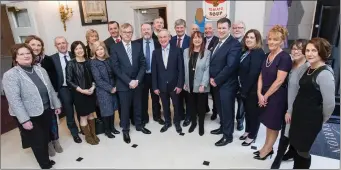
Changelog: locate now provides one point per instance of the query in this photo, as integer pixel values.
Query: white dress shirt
(222, 42)
(62, 62)
(165, 53)
(208, 40)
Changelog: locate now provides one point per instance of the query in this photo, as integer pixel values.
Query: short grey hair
(240, 22)
(180, 22)
(59, 37)
(165, 30)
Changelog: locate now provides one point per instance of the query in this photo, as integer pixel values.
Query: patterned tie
(147, 55)
(216, 49)
(129, 54)
(179, 41)
(118, 40)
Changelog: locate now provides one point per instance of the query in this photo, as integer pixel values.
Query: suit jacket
(108, 42)
(224, 63)
(154, 36)
(48, 65)
(164, 79)
(185, 43)
(156, 43)
(201, 76)
(120, 64)
(59, 79)
(213, 41)
(249, 70)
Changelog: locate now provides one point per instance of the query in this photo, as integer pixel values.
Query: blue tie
(147, 55)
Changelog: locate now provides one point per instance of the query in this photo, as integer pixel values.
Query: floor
(167, 150)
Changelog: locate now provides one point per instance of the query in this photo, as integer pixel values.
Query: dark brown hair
(14, 51)
(224, 20)
(257, 36)
(322, 45)
(191, 45)
(300, 43)
(74, 45)
(34, 37)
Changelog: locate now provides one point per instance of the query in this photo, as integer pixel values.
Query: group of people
(293, 92)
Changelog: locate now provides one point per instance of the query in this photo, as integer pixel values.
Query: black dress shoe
(52, 162)
(160, 121)
(186, 123)
(223, 141)
(109, 134)
(192, 127)
(77, 139)
(126, 137)
(114, 131)
(165, 128)
(214, 116)
(218, 131)
(178, 128)
(144, 130)
(242, 137)
(240, 126)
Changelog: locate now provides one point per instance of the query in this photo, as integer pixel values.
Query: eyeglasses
(238, 28)
(130, 32)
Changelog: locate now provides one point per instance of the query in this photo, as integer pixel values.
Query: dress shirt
(165, 54)
(62, 62)
(152, 48)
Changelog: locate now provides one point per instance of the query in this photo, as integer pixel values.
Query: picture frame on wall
(93, 12)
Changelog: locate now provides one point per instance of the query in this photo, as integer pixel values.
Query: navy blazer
(249, 70)
(224, 63)
(164, 79)
(185, 43)
(156, 43)
(120, 64)
(213, 42)
(59, 79)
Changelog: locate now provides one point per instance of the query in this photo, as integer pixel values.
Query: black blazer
(155, 36)
(224, 63)
(48, 65)
(108, 42)
(212, 43)
(156, 43)
(59, 79)
(249, 70)
(164, 79)
(75, 74)
(120, 64)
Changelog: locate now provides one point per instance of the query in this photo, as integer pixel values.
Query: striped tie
(129, 54)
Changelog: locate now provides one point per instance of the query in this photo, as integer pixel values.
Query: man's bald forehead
(208, 24)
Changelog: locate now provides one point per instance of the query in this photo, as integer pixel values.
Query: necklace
(268, 63)
(30, 72)
(309, 69)
(194, 62)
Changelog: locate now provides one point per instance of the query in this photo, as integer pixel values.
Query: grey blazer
(23, 96)
(201, 76)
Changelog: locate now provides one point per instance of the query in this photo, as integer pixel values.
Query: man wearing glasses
(129, 65)
(238, 30)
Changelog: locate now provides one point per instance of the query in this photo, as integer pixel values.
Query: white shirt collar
(222, 41)
(62, 55)
(150, 40)
(182, 37)
(167, 47)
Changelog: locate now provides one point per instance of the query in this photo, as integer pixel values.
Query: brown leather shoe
(88, 137)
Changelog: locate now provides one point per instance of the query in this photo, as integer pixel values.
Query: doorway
(148, 15)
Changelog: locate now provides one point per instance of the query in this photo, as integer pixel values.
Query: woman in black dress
(46, 62)
(272, 89)
(314, 103)
(80, 80)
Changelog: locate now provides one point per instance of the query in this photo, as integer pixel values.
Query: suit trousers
(184, 113)
(252, 113)
(225, 101)
(165, 99)
(197, 103)
(66, 99)
(129, 99)
(156, 107)
(240, 115)
(39, 137)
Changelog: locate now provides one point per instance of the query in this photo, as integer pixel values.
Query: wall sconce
(65, 13)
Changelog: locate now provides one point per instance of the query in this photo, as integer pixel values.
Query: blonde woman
(91, 37)
(105, 86)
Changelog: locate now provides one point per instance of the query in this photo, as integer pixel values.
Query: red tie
(179, 41)
(118, 40)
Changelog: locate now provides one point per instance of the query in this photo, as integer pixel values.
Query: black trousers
(165, 99)
(66, 99)
(184, 113)
(240, 115)
(156, 107)
(197, 103)
(39, 137)
(214, 108)
(252, 115)
(128, 99)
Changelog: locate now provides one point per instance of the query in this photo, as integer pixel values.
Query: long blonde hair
(95, 46)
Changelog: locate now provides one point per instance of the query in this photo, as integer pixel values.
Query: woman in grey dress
(300, 65)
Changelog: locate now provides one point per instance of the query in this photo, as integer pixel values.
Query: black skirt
(84, 104)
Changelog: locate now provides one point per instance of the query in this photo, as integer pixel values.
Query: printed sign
(215, 9)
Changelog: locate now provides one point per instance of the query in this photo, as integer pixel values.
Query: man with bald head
(60, 60)
(168, 78)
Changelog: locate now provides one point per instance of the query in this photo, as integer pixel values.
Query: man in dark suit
(114, 30)
(168, 78)
(182, 41)
(238, 31)
(60, 60)
(158, 25)
(148, 44)
(210, 41)
(129, 65)
(224, 78)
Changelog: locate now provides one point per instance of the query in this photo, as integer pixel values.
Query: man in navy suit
(129, 65)
(149, 45)
(181, 40)
(168, 78)
(224, 78)
(60, 60)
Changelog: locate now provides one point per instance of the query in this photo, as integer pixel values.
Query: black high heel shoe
(256, 153)
(248, 144)
(265, 157)
(242, 137)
